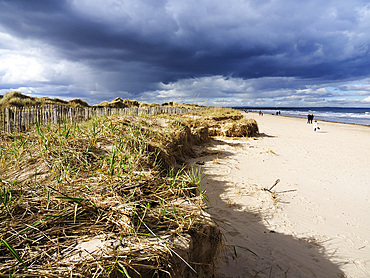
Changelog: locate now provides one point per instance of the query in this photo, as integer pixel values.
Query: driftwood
(269, 189)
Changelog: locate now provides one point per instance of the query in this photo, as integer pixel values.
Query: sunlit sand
(292, 201)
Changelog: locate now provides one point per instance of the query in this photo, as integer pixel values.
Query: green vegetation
(100, 198)
(105, 177)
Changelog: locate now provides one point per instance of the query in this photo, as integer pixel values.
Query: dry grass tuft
(17, 99)
(223, 122)
(119, 103)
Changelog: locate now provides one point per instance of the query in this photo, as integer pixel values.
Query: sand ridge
(314, 222)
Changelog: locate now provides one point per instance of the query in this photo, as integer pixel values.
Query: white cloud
(367, 99)
(15, 68)
(27, 64)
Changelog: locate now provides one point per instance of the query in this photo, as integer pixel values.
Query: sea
(360, 116)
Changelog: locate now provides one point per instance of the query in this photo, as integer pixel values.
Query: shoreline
(313, 223)
(314, 119)
(303, 117)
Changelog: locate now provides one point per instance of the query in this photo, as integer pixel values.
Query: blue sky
(213, 52)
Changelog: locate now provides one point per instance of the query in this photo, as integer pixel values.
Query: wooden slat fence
(17, 119)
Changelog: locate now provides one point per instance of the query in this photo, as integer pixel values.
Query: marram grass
(105, 178)
(111, 182)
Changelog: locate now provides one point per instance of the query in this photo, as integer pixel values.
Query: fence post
(3, 115)
(21, 118)
(15, 119)
(7, 120)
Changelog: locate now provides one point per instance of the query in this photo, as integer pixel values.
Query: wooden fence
(17, 119)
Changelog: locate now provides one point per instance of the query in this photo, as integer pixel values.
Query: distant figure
(261, 113)
(315, 126)
(278, 113)
(309, 118)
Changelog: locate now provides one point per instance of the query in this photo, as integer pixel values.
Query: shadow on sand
(261, 135)
(253, 250)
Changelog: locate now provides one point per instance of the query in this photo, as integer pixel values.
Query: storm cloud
(237, 52)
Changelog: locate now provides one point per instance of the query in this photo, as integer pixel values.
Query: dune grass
(101, 198)
(111, 177)
(15, 98)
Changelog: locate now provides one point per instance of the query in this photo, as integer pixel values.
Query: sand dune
(315, 222)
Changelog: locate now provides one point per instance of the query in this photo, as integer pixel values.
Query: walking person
(315, 126)
(309, 118)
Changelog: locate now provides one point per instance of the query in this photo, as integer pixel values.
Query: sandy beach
(291, 202)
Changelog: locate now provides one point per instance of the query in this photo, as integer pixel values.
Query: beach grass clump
(54, 101)
(119, 103)
(242, 128)
(18, 99)
(15, 98)
(221, 122)
(77, 103)
(99, 198)
(216, 112)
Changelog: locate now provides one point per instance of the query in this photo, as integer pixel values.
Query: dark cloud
(149, 49)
